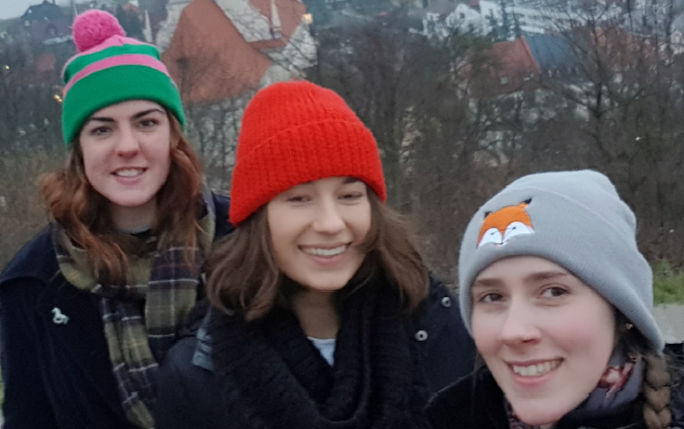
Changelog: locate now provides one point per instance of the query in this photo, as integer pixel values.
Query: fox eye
(516, 228)
(492, 235)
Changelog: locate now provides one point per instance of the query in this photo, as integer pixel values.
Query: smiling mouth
(129, 172)
(322, 251)
(535, 370)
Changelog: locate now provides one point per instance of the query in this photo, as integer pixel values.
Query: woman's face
(544, 334)
(126, 158)
(316, 231)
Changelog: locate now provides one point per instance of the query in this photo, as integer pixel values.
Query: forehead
(519, 267)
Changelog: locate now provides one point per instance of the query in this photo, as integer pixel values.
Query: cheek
(486, 331)
(593, 333)
(281, 231)
(90, 163)
(363, 219)
(162, 153)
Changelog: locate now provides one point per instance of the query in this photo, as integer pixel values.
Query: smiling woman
(317, 293)
(561, 313)
(126, 153)
(92, 304)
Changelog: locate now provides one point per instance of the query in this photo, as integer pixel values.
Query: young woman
(323, 313)
(558, 299)
(92, 304)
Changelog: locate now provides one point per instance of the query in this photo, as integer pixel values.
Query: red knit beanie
(297, 132)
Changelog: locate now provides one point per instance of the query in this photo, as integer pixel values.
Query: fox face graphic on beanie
(575, 219)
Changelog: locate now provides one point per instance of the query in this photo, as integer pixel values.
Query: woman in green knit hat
(92, 304)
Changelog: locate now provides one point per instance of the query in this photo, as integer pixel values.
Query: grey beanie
(575, 219)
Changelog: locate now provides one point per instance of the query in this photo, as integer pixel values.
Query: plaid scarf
(141, 318)
(619, 385)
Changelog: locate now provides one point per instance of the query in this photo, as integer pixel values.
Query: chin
(539, 417)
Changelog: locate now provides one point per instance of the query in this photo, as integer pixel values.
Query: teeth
(129, 172)
(535, 370)
(325, 252)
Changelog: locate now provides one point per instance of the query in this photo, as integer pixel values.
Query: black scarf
(280, 381)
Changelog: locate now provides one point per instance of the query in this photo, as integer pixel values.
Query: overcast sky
(15, 8)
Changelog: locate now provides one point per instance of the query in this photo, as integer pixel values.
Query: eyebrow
(486, 283)
(347, 180)
(136, 116)
(542, 275)
(545, 275)
(351, 179)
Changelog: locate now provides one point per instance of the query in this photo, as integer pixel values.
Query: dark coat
(57, 372)
(477, 402)
(191, 395)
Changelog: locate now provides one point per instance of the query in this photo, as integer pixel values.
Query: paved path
(670, 317)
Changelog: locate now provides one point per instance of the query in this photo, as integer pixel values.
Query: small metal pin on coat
(59, 318)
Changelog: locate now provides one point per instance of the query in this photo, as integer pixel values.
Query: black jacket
(476, 402)
(57, 371)
(191, 395)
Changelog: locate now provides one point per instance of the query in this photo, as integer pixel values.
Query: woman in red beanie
(323, 313)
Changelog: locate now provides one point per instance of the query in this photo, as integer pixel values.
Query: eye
(99, 131)
(554, 292)
(148, 123)
(490, 298)
(352, 195)
(297, 198)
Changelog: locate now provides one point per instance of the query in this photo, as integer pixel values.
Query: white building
(442, 22)
(539, 16)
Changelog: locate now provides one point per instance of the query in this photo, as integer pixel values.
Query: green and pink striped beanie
(110, 68)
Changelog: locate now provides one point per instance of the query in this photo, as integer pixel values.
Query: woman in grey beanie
(558, 299)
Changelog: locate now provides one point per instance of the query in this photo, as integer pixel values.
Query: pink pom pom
(93, 27)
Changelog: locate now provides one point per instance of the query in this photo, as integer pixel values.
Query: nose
(329, 218)
(520, 325)
(127, 144)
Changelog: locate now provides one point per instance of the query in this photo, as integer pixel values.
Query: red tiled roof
(209, 58)
(515, 58)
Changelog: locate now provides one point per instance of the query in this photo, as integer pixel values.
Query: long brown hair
(655, 387)
(84, 213)
(244, 276)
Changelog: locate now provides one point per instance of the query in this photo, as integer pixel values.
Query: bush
(668, 283)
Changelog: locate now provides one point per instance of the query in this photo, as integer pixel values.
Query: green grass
(668, 284)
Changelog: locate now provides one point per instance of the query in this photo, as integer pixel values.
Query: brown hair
(244, 276)
(655, 388)
(85, 217)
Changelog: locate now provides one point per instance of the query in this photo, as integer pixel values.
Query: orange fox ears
(501, 225)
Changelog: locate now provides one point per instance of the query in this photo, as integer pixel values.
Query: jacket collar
(203, 349)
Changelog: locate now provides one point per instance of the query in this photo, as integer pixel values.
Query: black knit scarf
(280, 381)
